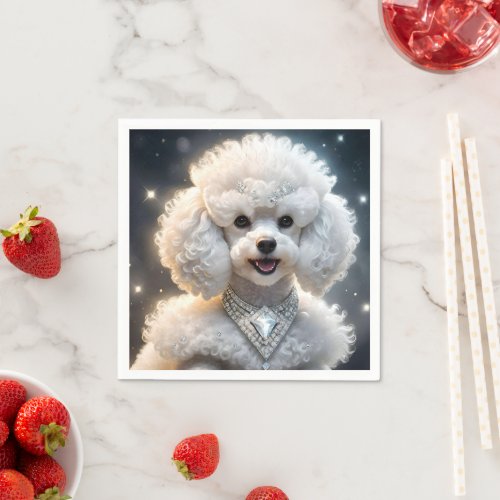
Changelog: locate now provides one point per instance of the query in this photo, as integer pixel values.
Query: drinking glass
(443, 35)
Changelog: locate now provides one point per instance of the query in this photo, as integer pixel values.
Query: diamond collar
(263, 326)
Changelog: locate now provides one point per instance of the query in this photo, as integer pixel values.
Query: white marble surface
(69, 70)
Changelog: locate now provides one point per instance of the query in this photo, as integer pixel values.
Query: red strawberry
(12, 397)
(42, 425)
(197, 457)
(266, 493)
(8, 454)
(4, 433)
(32, 245)
(43, 472)
(14, 486)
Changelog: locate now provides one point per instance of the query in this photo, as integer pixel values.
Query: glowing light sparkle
(150, 194)
(366, 307)
(138, 289)
(363, 198)
(340, 138)
(183, 145)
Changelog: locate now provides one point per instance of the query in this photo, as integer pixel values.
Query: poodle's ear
(192, 246)
(327, 246)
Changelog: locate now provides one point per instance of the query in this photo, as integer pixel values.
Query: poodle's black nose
(266, 245)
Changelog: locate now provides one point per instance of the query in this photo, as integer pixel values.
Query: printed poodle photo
(250, 250)
(255, 244)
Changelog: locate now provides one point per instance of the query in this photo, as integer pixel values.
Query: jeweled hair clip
(284, 190)
(277, 195)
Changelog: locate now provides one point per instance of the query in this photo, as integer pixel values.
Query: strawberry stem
(183, 469)
(54, 437)
(24, 225)
(52, 494)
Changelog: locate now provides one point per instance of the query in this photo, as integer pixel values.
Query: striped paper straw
(470, 281)
(485, 268)
(457, 431)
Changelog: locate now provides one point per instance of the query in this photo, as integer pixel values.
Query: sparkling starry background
(159, 161)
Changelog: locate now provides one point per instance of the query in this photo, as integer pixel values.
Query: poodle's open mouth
(264, 266)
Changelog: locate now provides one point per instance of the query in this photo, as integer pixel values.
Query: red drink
(443, 35)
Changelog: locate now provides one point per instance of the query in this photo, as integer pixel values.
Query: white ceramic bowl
(71, 456)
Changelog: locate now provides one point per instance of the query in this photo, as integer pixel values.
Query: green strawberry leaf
(33, 213)
(24, 225)
(183, 469)
(52, 494)
(32, 223)
(23, 232)
(27, 212)
(54, 437)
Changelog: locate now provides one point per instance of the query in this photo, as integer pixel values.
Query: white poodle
(255, 244)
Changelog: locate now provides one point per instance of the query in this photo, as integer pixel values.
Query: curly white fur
(317, 340)
(200, 244)
(192, 246)
(327, 247)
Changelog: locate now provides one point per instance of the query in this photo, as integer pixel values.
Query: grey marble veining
(69, 71)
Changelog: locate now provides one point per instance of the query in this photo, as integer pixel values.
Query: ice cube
(477, 31)
(422, 10)
(407, 16)
(428, 10)
(423, 44)
(452, 13)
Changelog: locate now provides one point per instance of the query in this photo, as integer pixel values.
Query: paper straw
(485, 268)
(470, 281)
(457, 432)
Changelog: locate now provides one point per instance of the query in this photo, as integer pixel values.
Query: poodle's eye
(285, 221)
(242, 221)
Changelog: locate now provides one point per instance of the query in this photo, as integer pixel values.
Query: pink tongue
(266, 265)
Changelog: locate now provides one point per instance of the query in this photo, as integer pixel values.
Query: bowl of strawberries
(41, 449)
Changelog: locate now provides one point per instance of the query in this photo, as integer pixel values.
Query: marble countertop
(69, 70)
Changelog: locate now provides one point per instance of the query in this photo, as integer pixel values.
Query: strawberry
(12, 397)
(4, 433)
(197, 457)
(42, 425)
(8, 454)
(32, 245)
(43, 472)
(14, 486)
(266, 493)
